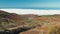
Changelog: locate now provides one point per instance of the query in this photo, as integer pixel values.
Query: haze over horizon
(32, 11)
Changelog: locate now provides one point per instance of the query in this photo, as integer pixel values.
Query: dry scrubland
(50, 24)
(45, 24)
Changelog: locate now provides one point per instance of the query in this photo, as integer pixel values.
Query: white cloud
(32, 11)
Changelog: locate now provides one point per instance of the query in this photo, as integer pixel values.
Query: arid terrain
(11, 23)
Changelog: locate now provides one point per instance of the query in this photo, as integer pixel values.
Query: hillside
(49, 24)
(29, 23)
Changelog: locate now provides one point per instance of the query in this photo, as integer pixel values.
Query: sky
(39, 7)
(30, 4)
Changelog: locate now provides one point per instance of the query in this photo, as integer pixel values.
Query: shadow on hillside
(15, 31)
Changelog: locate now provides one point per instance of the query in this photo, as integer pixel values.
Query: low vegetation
(11, 21)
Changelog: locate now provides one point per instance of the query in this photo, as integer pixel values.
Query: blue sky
(30, 4)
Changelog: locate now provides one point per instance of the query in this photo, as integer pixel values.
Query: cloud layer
(32, 11)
